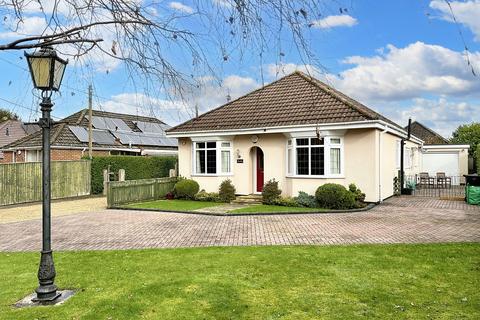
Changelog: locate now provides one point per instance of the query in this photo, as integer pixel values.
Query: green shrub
(270, 192)
(207, 196)
(477, 155)
(135, 168)
(186, 189)
(357, 193)
(334, 196)
(306, 200)
(226, 191)
(286, 202)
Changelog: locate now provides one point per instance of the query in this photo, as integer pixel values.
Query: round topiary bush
(334, 196)
(226, 192)
(186, 189)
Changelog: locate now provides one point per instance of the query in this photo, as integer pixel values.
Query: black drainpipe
(402, 164)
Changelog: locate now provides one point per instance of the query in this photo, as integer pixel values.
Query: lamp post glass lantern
(46, 69)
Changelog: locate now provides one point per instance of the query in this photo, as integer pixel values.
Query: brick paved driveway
(398, 220)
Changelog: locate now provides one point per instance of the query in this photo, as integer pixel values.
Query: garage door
(441, 162)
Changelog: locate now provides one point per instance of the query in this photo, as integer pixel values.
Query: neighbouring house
(426, 134)
(12, 130)
(438, 155)
(300, 132)
(112, 134)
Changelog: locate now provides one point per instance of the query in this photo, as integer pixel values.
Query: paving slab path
(397, 220)
(224, 208)
(32, 211)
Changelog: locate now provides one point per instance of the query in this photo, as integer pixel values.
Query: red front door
(260, 181)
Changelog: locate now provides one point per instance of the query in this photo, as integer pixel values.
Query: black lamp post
(46, 69)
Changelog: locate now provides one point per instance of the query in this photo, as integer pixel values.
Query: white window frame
(398, 153)
(408, 157)
(38, 155)
(218, 155)
(291, 168)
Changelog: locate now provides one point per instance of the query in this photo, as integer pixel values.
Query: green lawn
(435, 281)
(180, 205)
(270, 208)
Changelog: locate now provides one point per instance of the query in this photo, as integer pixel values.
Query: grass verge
(175, 205)
(264, 208)
(434, 281)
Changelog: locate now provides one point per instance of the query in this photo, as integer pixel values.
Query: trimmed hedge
(334, 196)
(186, 189)
(136, 167)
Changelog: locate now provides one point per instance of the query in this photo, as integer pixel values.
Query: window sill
(213, 175)
(315, 177)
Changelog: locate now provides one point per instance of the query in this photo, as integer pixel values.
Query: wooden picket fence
(122, 192)
(22, 182)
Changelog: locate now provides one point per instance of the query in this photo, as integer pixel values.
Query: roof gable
(80, 118)
(296, 99)
(11, 130)
(426, 134)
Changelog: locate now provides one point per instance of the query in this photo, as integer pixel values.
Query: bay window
(314, 156)
(212, 157)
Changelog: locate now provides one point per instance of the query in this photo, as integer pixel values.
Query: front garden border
(367, 208)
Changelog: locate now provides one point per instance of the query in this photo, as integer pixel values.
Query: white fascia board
(401, 133)
(212, 138)
(158, 152)
(282, 129)
(446, 147)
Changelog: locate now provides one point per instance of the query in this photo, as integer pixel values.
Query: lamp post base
(47, 290)
(30, 300)
(46, 297)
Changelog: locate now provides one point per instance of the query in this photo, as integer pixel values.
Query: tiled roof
(12, 130)
(296, 99)
(426, 134)
(61, 135)
(80, 118)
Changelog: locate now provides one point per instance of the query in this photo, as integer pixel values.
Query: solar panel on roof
(151, 127)
(79, 132)
(112, 124)
(98, 136)
(102, 137)
(144, 139)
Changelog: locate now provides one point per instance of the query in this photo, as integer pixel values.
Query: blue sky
(401, 58)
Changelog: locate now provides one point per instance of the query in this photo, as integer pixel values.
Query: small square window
(316, 141)
(212, 144)
(335, 140)
(225, 144)
(200, 144)
(302, 142)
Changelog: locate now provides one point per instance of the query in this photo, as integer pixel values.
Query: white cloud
(466, 13)
(406, 73)
(212, 94)
(441, 114)
(170, 111)
(13, 28)
(181, 7)
(208, 95)
(224, 3)
(278, 70)
(334, 21)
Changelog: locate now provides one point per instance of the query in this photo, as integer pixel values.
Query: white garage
(441, 162)
(451, 159)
